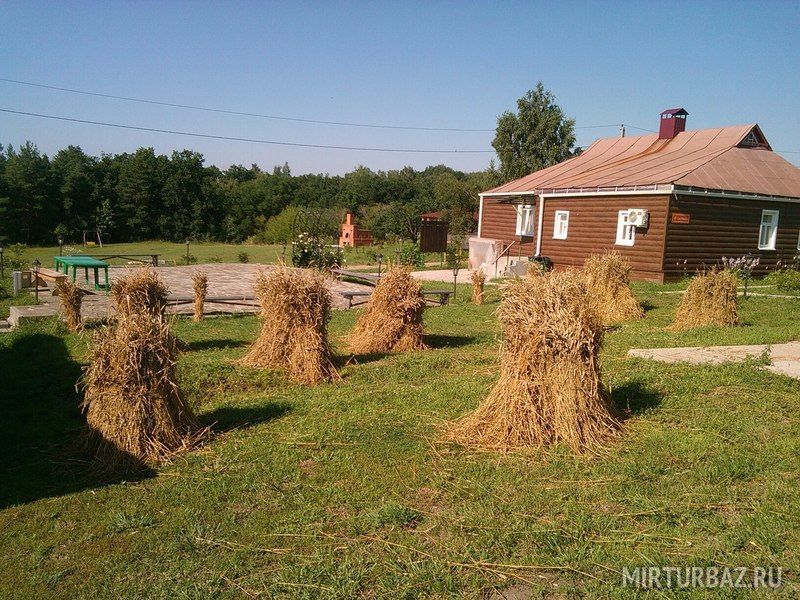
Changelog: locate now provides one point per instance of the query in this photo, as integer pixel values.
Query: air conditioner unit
(638, 217)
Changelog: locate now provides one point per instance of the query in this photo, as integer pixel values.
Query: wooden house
(672, 202)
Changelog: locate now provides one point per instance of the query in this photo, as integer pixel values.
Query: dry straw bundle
(295, 308)
(142, 292)
(134, 408)
(392, 321)
(71, 298)
(478, 282)
(607, 277)
(200, 281)
(549, 389)
(710, 299)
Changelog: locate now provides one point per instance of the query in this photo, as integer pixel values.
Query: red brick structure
(351, 235)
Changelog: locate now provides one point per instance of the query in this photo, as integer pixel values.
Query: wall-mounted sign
(682, 218)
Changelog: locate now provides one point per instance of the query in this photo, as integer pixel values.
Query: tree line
(144, 195)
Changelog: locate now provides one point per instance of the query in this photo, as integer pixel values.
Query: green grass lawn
(203, 252)
(345, 490)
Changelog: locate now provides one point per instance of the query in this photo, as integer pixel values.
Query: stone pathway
(223, 280)
(785, 358)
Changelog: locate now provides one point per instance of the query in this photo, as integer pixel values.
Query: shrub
(214, 259)
(189, 259)
(411, 256)
(243, 257)
(311, 252)
(12, 258)
(786, 280)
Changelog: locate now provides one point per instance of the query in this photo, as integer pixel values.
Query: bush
(243, 257)
(310, 252)
(411, 256)
(786, 280)
(12, 258)
(214, 259)
(189, 259)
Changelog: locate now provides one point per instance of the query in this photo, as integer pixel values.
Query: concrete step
(18, 314)
(5, 326)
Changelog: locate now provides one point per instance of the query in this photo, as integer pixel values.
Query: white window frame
(626, 234)
(560, 233)
(770, 243)
(525, 220)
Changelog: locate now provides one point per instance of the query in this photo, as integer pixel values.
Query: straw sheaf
(549, 390)
(295, 309)
(200, 283)
(478, 278)
(135, 411)
(607, 279)
(710, 300)
(71, 298)
(392, 321)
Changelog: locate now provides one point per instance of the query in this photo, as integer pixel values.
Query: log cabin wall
(499, 222)
(593, 228)
(724, 226)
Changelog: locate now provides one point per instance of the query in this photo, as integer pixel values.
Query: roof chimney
(673, 121)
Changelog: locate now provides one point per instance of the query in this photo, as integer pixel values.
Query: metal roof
(706, 158)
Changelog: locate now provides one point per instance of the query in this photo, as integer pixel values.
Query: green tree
(74, 178)
(535, 137)
(30, 207)
(139, 188)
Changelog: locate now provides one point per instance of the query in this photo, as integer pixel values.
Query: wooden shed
(672, 202)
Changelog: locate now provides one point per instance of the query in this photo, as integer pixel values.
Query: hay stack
(295, 308)
(141, 292)
(710, 299)
(71, 298)
(478, 281)
(549, 389)
(392, 321)
(607, 277)
(134, 408)
(200, 281)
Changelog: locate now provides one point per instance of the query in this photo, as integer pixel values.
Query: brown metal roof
(707, 158)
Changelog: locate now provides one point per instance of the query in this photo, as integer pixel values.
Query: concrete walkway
(785, 358)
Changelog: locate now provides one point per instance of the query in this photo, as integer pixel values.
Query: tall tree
(73, 175)
(535, 137)
(30, 209)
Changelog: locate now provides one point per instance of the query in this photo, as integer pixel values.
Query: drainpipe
(539, 230)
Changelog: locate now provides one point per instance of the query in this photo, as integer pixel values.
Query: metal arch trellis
(311, 221)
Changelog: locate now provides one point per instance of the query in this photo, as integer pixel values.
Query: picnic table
(80, 261)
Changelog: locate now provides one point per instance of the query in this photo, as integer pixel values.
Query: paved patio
(226, 280)
(784, 358)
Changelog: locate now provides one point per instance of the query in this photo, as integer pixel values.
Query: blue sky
(428, 64)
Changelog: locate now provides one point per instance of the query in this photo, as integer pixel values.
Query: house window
(561, 224)
(626, 233)
(525, 220)
(769, 230)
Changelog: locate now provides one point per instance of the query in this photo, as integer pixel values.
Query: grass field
(345, 490)
(203, 252)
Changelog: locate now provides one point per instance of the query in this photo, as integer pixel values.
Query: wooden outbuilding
(671, 202)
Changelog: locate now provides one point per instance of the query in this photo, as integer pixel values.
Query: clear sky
(426, 64)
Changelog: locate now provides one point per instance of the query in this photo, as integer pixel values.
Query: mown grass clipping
(200, 285)
(710, 300)
(549, 390)
(71, 298)
(295, 309)
(135, 410)
(392, 321)
(607, 280)
(478, 278)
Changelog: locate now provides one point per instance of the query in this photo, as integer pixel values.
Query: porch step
(5, 326)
